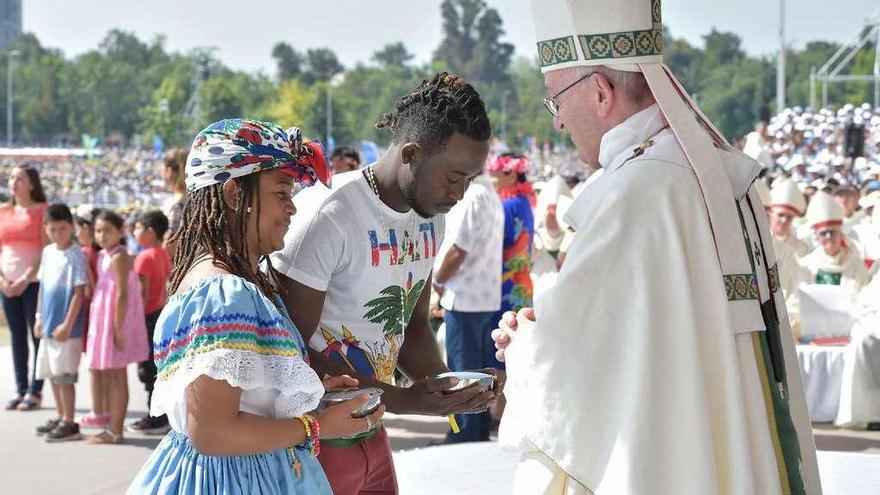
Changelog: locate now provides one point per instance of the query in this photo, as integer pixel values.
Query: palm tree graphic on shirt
(394, 306)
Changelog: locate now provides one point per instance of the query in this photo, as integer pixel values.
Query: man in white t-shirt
(467, 275)
(357, 270)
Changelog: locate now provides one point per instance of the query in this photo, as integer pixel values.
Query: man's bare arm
(450, 265)
(426, 396)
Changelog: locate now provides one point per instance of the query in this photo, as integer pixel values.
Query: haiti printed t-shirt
(372, 261)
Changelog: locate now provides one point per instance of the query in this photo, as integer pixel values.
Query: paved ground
(29, 465)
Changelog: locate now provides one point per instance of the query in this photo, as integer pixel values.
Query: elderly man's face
(577, 111)
(831, 240)
(780, 221)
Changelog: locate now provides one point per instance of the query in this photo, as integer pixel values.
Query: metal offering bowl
(333, 398)
(468, 378)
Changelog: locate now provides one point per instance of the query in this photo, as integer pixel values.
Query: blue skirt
(176, 467)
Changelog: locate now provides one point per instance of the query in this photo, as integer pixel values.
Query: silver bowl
(333, 398)
(468, 378)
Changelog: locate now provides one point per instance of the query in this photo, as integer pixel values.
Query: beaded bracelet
(309, 442)
(315, 428)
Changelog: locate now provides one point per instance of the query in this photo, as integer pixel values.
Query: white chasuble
(636, 378)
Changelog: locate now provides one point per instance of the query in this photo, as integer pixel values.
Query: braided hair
(439, 107)
(206, 230)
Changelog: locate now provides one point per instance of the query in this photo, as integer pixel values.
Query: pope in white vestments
(787, 203)
(662, 361)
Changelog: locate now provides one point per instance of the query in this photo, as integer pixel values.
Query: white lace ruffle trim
(299, 386)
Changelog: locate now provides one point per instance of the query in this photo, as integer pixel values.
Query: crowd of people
(209, 330)
(68, 271)
(117, 177)
(820, 148)
(502, 244)
(273, 275)
(821, 187)
(822, 183)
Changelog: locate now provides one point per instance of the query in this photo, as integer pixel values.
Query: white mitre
(628, 35)
(786, 193)
(824, 211)
(614, 33)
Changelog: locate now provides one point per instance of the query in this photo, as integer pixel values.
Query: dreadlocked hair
(433, 111)
(206, 230)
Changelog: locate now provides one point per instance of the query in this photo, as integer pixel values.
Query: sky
(244, 31)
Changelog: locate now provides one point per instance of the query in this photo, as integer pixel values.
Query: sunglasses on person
(552, 103)
(830, 233)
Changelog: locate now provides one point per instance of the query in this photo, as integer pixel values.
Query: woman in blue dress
(233, 373)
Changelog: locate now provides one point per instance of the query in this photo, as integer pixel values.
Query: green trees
(128, 90)
(394, 55)
(729, 86)
(471, 45)
(289, 62)
(38, 99)
(321, 65)
(734, 89)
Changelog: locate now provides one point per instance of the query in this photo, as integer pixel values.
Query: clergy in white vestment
(785, 205)
(848, 198)
(835, 261)
(867, 233)
(757, 146)
(662, 361)
(860, 385)
(867, 203)
(549, 232)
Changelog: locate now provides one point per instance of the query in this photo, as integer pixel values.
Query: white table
(822, 372)
(484, 469)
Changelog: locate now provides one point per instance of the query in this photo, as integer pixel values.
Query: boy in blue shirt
(59, 320)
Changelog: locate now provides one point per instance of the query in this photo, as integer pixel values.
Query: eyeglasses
(553, 105)
(830, 233)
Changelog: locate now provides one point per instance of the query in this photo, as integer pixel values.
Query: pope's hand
(507, 328)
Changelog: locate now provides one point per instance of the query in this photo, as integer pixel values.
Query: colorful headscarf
(507, 164)
(237, 147)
